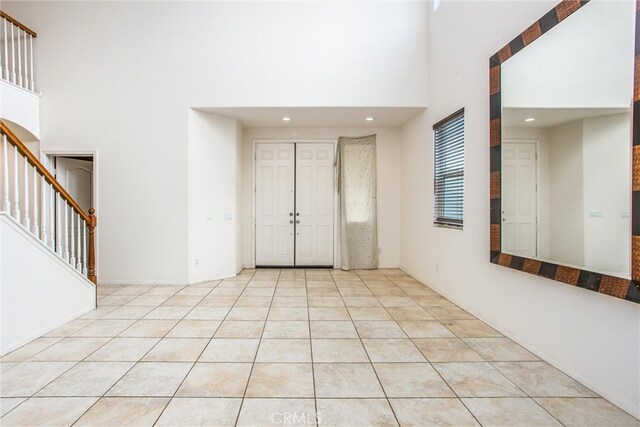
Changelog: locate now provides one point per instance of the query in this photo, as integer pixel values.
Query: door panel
(519, 199)
(314, 203)
(76, 176)
(275, 173)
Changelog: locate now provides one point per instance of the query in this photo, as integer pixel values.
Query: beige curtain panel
(358, 231)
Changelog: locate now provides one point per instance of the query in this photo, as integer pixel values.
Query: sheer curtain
(358, 232)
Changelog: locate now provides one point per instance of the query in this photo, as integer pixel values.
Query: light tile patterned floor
(287, 347)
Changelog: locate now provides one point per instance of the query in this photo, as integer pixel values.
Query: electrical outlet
(197, 261)
(595, 214)
(379, 250)
(436, 268)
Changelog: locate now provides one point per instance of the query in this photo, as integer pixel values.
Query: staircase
(47, 241)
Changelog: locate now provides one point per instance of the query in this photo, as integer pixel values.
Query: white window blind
(448, 135)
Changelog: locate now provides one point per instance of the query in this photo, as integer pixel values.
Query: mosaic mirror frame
(627, 289)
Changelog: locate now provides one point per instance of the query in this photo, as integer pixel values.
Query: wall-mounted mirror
(562, 97)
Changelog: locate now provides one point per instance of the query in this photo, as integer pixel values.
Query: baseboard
(141, 282)
(212, 279)
(44, 331)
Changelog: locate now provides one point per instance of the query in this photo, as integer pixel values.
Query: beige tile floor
(287, 347)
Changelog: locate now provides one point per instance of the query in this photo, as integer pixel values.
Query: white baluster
(66, 231)
(6, 50)
(36, 225)
(52, 218)
(79, 259)
(58, 226)
(13, 55)
(43, 204)
(2, 57)
(32, 83)
(6, 202)
(16, 207)
(27, 219)
(26, 61)
(84, 247)
(72, 260)
(19, 31)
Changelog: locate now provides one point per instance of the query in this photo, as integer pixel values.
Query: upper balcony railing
(16, 52)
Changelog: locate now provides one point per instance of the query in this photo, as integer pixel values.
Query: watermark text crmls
(295, 418)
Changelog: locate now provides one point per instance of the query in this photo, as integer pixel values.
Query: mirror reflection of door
(519, 198)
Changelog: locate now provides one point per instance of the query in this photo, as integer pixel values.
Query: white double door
(294, 204)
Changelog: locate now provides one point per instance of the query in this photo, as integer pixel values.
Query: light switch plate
(595, 214)
(228, 216)
(624, 214)
(210, 217)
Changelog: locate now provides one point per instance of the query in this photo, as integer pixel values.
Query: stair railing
(36, 200)
(16, 52)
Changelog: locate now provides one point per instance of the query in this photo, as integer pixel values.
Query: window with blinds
(448, 136)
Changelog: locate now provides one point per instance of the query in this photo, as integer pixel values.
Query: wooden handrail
(18, 24)
(33, 160)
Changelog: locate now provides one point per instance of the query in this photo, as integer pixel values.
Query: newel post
(92, 250)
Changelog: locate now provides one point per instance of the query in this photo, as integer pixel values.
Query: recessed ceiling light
(286, 119)
(530, 119)
(369, 119)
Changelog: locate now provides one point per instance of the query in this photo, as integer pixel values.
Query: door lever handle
(290, 213)
(290, 221)
(297, 221)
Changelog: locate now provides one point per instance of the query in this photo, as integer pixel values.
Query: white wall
(607, 188)
(20, 106)
(388, 145)
(34, 301)
(120, 77)
(566, 198)
(239, 212)
(592, 337)
(213, 205)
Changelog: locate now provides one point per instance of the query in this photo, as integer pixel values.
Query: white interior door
(275, 174)
(519, 199)
(76, 176)
(314, 204)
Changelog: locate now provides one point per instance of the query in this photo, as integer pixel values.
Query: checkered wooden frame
(613, 286)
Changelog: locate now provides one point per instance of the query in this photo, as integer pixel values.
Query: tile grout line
(255, 357)
(313, 371)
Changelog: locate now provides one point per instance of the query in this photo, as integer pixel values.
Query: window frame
(439, 179)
